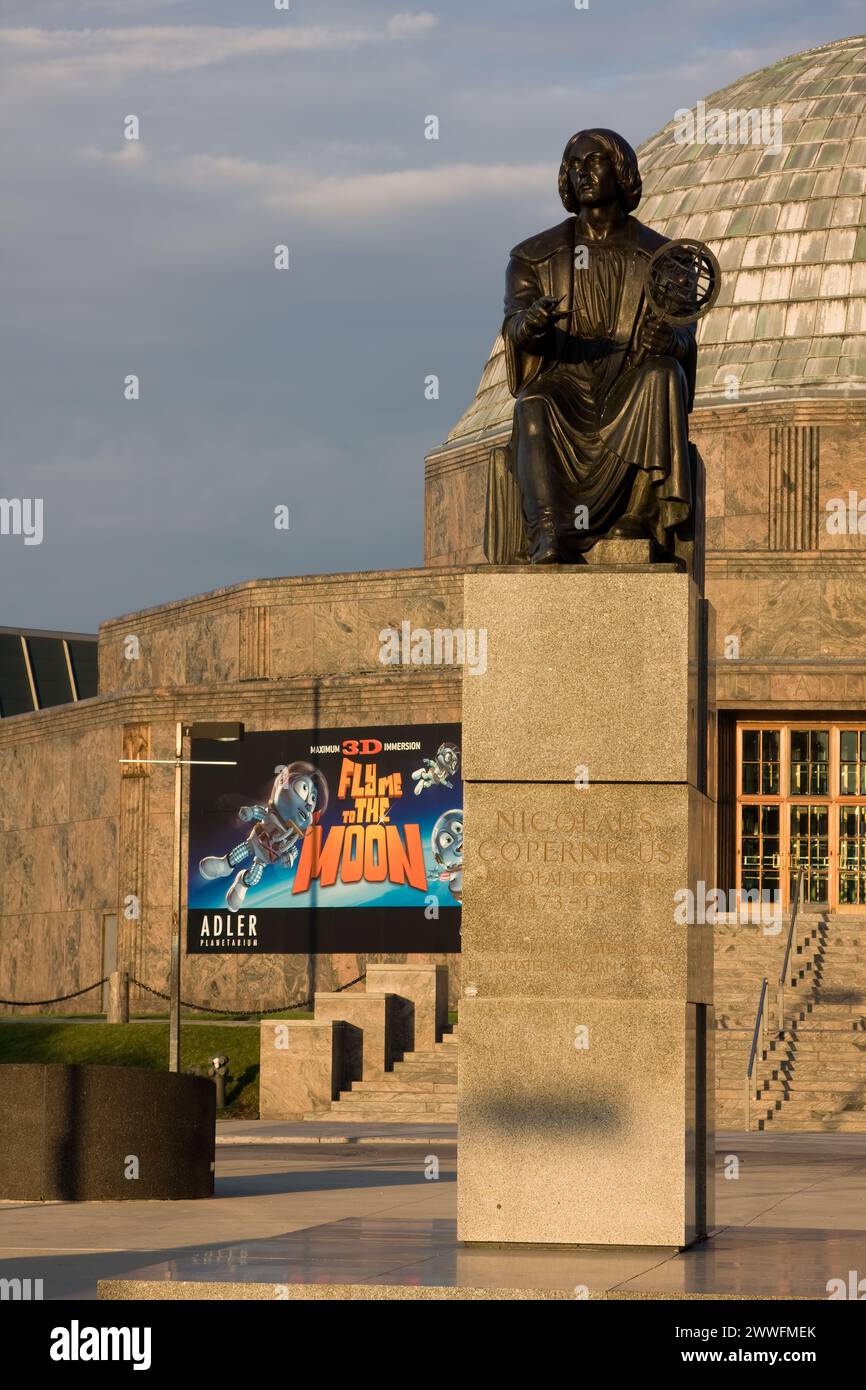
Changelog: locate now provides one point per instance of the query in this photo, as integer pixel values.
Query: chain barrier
(34, 1003)
(245, 1013)
(186, 1003)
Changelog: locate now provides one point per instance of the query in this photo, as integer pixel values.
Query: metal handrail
(783, 973)
(760, 1032)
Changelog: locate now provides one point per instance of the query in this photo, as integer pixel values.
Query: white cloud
(75, 53)
(406, 26)
(368, 200)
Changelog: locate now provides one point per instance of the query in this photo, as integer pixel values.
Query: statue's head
(599, 167)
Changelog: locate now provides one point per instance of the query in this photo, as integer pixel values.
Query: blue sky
(302, 388)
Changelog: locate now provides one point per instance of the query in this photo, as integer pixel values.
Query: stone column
(585, 1088)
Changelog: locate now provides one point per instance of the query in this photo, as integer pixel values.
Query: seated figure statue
(603, 387)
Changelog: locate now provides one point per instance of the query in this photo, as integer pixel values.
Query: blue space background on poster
(371, 912)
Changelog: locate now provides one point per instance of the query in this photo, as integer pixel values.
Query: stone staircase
(421, 1089)
(812, 1075)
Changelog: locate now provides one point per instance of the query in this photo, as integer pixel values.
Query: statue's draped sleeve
(525, 351)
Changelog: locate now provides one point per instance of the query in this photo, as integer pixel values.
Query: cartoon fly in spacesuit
(447, 844)
(436, 772)
(298, 799)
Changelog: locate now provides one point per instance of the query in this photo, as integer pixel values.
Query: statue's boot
(537, 489)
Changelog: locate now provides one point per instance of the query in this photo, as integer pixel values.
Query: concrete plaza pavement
(791, 1215)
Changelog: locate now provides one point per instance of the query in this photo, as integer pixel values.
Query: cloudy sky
(301, 388)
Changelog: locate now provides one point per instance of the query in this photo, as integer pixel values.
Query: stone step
(794, 1108)
(834, 1075)
(392, 1100)
(807, 1092)
(446, 1058)
(421, 1075)
(398, 1086)
(441, 1067)
(829, 1040)
(376, 1111)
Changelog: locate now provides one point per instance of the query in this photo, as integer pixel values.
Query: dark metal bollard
(219, 1067)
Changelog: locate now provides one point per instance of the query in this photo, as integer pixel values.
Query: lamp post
(220, 733)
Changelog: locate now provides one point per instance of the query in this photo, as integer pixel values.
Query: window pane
(15, 697)
(50, 671)
(771, 740)
(770, 820)
(848, 745)
(848, 820)
(750, 779)
(820, 745)
(83, 656)
(751, 746)
(799, 746)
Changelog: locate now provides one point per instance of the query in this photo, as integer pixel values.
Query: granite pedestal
(585, 1103)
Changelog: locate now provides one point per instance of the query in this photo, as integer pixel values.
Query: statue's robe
(606, 420)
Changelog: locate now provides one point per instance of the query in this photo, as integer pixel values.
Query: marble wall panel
(35, 779)
(95, 772)
(158, 849)
(788, 617)
(712, 451)
(842, 469)
(842, 617)
(293, 651)
(90, 871)
(747, 473)
(211, 650)
(335, 637)
(736, 605)
(746, 532)
(32, 869)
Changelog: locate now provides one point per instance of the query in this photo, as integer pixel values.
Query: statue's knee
(531, 417)
(660, 366)
(664, 367)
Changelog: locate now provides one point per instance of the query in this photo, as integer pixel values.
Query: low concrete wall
(90, 1133)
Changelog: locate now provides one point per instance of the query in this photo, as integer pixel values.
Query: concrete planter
(92, 1133)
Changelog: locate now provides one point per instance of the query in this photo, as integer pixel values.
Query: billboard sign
(334, 840)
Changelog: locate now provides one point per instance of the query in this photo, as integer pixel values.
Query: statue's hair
(624, 161)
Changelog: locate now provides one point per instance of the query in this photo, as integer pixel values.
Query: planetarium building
(780, 424)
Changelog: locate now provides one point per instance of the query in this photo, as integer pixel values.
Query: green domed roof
(788, 227)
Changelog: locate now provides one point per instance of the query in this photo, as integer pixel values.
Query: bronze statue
(603, 384)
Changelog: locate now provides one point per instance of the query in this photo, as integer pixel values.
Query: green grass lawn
(143, 1045)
